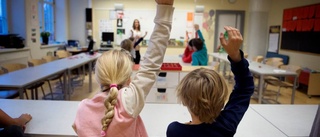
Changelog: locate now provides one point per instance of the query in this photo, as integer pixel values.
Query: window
(3, 17)
(46, 17)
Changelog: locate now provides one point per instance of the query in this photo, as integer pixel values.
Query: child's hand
(233, 44)
(165, 2)
(137, 48)
(196, 27)
(23, 119)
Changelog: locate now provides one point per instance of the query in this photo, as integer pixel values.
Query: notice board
(301, 29)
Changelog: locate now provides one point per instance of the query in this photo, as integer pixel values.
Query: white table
(157, 117)
(20, 79)
(49, 118)
(54, 118)
(28, 76)
(292, 120)
(73, 62)
(265, 70)
(262, 70)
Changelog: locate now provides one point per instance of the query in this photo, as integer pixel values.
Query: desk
(49, 118)
(262, 70)
(25, 77)
(292, 120)
(54, 118)
(73, 62)
(20, 79)
(252, 124)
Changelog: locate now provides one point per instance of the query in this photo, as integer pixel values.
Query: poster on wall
(274, 34)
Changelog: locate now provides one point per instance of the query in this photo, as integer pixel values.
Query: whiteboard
(146, 17)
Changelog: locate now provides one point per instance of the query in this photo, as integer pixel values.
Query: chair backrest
(35, 62)
(275, 59)
(245, 55)
(6, 68)
(50, 58)
(258, 59)
(293, 68)
(276, 64)
(63, 53)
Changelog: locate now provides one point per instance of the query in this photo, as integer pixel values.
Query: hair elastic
(103, 133)
(113, 85)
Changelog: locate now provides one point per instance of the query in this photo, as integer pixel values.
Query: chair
(274, 63)
(50, 58)
(274, 59)
(55, 77)
(258, 59)
(32, 63)
(12, 67)
(288, 82)
(7, 93)
(63, 54)
(245, 55)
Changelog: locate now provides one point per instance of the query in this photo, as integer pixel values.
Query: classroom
(49, 49)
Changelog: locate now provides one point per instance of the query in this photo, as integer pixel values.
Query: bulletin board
(274, 34)
(301, 29)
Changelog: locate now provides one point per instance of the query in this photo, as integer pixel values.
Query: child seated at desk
(204, 92)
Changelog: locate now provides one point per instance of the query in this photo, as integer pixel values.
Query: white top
(293, 120)
(56, 117)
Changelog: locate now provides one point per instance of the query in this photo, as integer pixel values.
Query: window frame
(41, 13)
(4, 17)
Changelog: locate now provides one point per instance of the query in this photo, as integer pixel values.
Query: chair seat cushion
(8, 94)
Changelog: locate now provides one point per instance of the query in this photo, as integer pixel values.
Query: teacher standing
(137, 37)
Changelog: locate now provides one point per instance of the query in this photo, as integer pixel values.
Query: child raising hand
(204, 92)
(114, 112)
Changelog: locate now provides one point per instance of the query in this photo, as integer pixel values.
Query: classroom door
(227, 18)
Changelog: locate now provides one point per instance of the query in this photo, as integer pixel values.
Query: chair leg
(36, 91)
(32, 94)
(278, 94)
(50, 88)
(61, 84)
(25, 92)
(43, 91)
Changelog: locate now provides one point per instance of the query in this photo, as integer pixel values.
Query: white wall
(77, 20)
(16, 17)
(62, 20)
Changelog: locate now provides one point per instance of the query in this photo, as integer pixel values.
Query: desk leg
(90, 76)
(260, 89)
(294, 89)
(21, 90)
(69, 84)
(65, 85)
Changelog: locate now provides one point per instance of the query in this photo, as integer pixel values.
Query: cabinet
(314, 84)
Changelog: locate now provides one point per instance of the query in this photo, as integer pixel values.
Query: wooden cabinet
(314, 84)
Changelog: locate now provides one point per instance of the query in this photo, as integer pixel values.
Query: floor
(82, 92)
